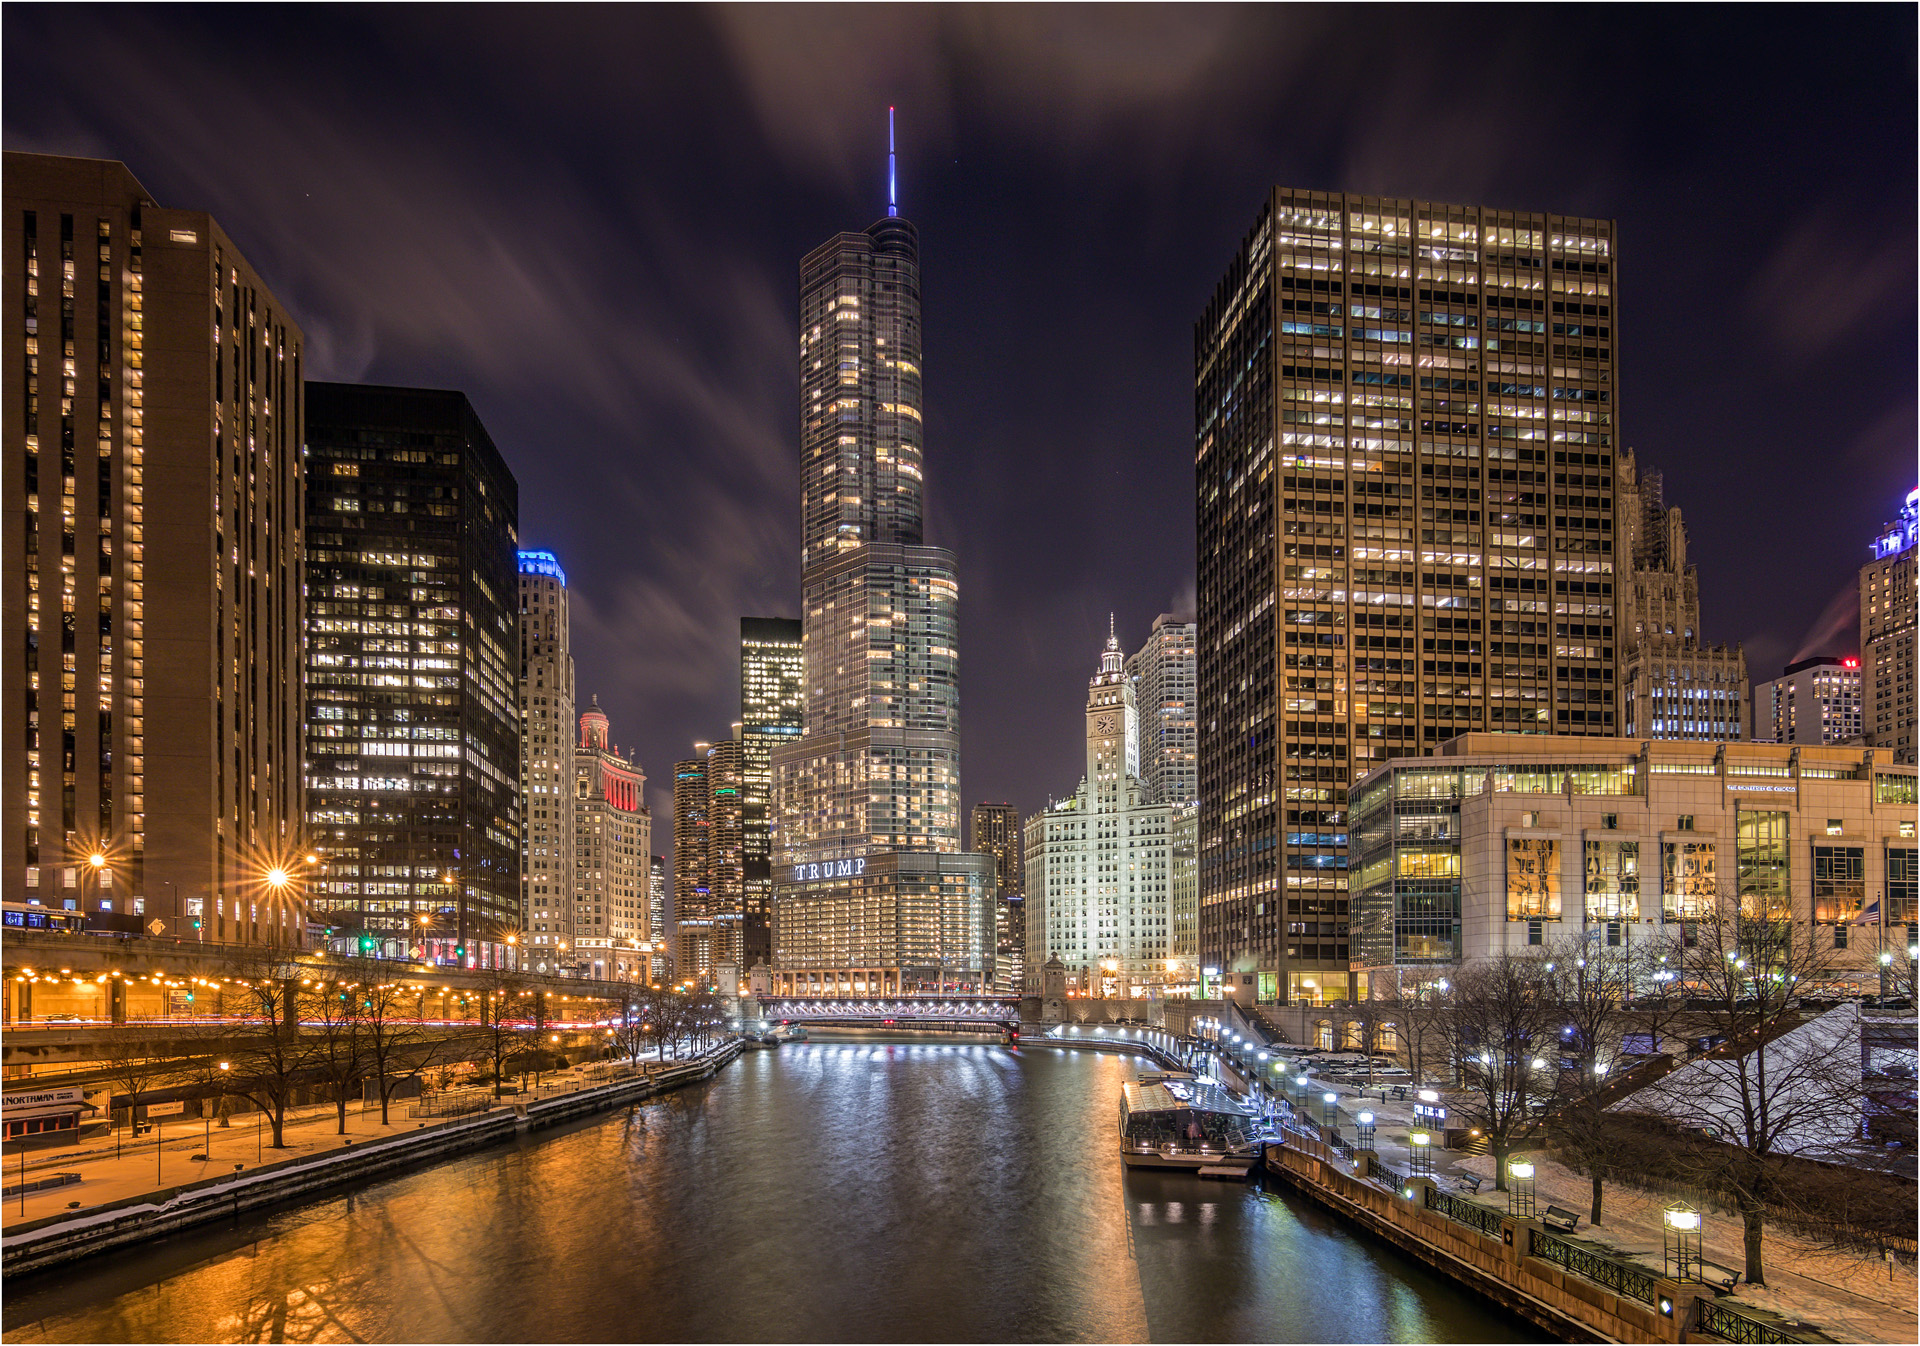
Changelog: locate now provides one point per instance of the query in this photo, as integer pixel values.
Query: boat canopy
(1181, 1112)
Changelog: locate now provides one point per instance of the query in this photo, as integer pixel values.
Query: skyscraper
(692, 913)
(1673, 684)
(657, 920)
(1162, 671)
(154, 413)
(546, 760)
(872, 892)
(997, 832)
(613, 832)
(1404, 456)
(727, 850)
(1888, 604)
(413, 672)
(771, 674)
(1100, 863)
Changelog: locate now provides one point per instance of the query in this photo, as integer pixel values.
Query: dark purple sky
(590, 220)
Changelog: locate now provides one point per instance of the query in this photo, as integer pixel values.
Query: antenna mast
(893, 181)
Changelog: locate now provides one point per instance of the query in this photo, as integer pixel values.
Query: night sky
(590, 221)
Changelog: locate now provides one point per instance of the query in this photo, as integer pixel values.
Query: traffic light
(368, 944)
(459, 951)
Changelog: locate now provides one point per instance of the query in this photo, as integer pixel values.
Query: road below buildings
(843, 1190)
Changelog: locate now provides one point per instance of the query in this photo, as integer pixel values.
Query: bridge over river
(922, 1014)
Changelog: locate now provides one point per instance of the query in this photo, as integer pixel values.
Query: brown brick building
(152, 563)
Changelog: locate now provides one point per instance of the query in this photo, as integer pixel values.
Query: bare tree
(1765, 1090)
(136, 1059)
(337, 1039)
(1503, 1023)
(503, 1020)
(399, 1046)
(270, 1057)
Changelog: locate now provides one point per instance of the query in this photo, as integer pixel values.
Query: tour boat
(1171, 1120)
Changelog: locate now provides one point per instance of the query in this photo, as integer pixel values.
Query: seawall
(62, 1238)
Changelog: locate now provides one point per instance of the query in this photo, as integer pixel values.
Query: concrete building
(996, 831)
(692, 912)
(1814, 701)
(1888, 603)
(872, 892)
(771, 675)
(613, 837)
(1404, 452)
(1507, 842)
(1673, 684)
(546, 761)
(1163, 675)
(413, 673)
(1100, 864)
(155, 412)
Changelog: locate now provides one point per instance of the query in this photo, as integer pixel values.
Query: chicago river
(838, 1190)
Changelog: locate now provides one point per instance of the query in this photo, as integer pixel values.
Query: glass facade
(874, 778)
(413, 670)
(772, 674)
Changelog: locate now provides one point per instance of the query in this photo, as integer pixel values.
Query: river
(836, 1190)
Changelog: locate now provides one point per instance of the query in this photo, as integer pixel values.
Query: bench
(1399, 1091)
(1556, 1217)
(1469, 1183)
(1724, 1278)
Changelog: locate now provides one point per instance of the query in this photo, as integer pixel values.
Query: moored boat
(1170, 1120)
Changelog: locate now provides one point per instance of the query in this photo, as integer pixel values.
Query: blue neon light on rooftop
(542, 563)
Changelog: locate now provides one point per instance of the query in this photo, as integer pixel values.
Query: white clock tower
(1099, 863)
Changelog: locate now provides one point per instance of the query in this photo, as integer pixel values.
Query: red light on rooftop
(1849, 663)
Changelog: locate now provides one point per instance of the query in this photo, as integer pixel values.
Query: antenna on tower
(893, 180)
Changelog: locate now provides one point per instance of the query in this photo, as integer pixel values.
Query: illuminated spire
(893, 180)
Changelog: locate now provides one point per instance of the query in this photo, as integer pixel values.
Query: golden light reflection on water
(834, 1190)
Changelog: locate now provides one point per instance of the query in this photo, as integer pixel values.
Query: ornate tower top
(593, 726)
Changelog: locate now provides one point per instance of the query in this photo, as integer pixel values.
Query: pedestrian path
(163, 1158)
(1852, 1297)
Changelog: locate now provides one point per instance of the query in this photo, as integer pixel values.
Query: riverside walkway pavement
(142, 1167)
(1848, 1296)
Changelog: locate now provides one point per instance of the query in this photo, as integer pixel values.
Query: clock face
(1103, 724)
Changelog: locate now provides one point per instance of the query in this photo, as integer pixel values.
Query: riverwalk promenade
(159, 1186)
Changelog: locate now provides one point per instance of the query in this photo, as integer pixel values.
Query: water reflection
(833, 1190)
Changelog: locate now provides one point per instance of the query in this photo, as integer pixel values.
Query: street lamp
(1420, 1155)
(1886, 965)
(1520, 1192)
(1366, 1130)
(1681, 1241)
(1329, 1108)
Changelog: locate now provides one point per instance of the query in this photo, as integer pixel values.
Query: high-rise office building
(546, 761)
(1673, 684)
(996, 831)
(727, 850)
(872, 891)
(1888, 603)
(1404, 454)
(154, 412)
(657, 918)
(413, 673)
(692, 912)
(1100, 864)
(1163, 674)
(613, 836)
(1814, 700)
(771, 675)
